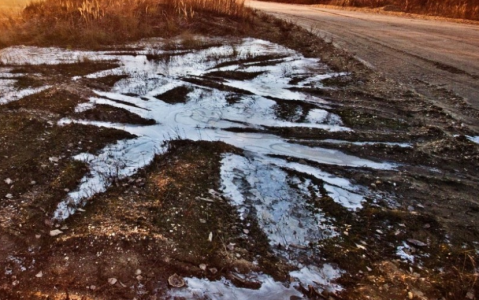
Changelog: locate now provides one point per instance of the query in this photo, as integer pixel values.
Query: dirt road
(425, 55)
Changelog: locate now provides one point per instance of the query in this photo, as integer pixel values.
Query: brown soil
(155, 224)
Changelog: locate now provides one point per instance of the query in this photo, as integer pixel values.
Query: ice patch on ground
(402, 145)
(318, 116)
(319, 278)
(204, 114)
(403, 253)
(224, 289)
(9, 93)
(474, 139)
(265, 182)
(283, 212)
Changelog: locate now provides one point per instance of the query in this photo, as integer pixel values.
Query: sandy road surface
(416, 52)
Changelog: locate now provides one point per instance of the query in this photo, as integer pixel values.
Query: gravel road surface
(425, 55)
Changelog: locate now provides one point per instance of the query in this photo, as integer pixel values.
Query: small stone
(213, 270)
(373, 185)
(55, 232)
(54, 159)
(138, 272)
(176, 281)
(139, 277)
(9, 196)
(246, 231)
(37, 236)
(470, 295)
(210, 237)
(231, 246)
(66, 190)
(112, 281)
(8, 181)
(410, 295)
(64, 227)
(203, 267)
(15, 283)
(39, 274)
(33, 182)
(416, 243)
(92, 287)
(426, 226)
(361, 247)
(202, 221)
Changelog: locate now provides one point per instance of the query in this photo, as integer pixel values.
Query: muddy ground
(150, 226)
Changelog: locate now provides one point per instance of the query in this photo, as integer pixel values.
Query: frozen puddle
(269, 290)
(241, 85)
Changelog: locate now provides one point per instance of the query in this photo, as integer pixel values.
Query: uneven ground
(154, 224)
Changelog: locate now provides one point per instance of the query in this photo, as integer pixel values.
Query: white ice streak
(400, 251)
(319, 116)
(118, 160)
(402, 145)
(22, 55)
(282, 211)
(474, 139)
(341, 190)
(225, 290)
(321, 278)
(275, 79)
(9, 93)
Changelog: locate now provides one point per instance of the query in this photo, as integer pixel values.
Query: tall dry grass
(98, 22)
(461, 9)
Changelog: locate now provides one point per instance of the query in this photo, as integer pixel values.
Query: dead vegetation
(91, 23)
(461, 9)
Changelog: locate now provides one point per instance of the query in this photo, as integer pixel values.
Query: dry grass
(99, 22)
(12, 4)
(461, 9)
